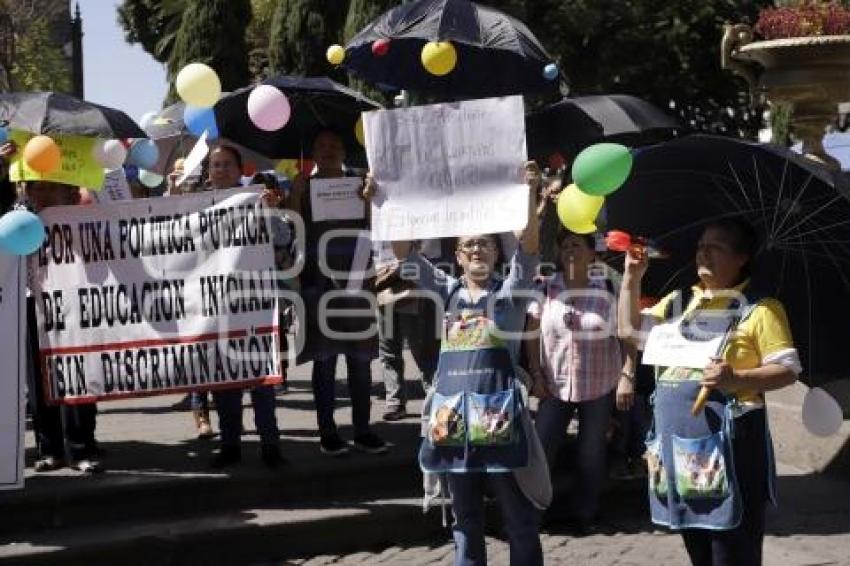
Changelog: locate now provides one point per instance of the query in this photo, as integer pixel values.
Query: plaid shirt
(580, 352)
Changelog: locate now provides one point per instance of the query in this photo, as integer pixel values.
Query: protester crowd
(568, 348)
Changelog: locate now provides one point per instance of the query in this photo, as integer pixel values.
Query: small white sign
(193, 161)
(689, 341)
(337, 199)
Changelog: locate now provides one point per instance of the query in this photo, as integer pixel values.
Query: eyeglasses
(470, 245)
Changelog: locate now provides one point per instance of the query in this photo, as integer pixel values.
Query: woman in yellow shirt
(712, 470)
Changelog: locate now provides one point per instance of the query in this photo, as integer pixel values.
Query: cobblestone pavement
(622, 549)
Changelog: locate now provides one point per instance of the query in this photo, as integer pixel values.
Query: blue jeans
(228, 405)
(553, 418)
(520, 517)
(359, 389)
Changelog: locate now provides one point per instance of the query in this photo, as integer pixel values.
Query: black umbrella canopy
(574, 123)
(800, 210)
(53, 113)
(317, 103)
(497, 55)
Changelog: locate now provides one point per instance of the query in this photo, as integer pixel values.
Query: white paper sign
(154, 296)
(115, 187)
(448, 169)
(193, 161)
(688, 342)
(337, 199)
(13, 353)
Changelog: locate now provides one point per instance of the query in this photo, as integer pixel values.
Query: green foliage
(213, 32)
(301, 32)
(39, 64)
(153, 24)
(257, 38)
(360, 13)
(662, 50)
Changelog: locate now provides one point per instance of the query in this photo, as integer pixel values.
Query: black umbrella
(497, 55)
(52, 113)
(574, 123)
(317, 103)
(800, 209)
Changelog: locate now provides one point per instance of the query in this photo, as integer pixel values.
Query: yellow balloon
(335, 54)
(439, 57)
(578, 210)
(359, 133)
(198, 85)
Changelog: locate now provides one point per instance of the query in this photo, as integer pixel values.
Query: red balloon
(618, 241)
(556, 161)
(380, 47)
(249, 168)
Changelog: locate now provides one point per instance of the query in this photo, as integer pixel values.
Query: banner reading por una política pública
(156, 296)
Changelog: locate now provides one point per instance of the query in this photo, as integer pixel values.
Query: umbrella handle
(701, 400)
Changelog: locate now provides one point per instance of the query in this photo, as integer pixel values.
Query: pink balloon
(268, 108)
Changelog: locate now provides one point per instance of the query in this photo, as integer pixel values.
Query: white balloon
(822, 415)
(110, 154)
(147, 120)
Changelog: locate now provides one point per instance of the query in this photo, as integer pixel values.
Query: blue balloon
(21, 232)
(143, 154)
(550, 72)
(198, 120)
(4, 134)
(131, 172)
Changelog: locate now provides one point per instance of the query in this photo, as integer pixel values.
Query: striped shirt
(581, 357)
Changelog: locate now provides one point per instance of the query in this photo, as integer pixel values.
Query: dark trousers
(359, 386)
(419, 326)
(741, 546)
(53, 424)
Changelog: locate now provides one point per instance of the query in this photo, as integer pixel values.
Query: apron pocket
(656, 472)
(492, 418)
(700, 467)
(446, 424)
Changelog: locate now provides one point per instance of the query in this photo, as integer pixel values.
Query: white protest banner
(689, 342)
(115, 187)
(13, 353)
(193, 161)
(337, 199)
(153, 296)
(447, 169)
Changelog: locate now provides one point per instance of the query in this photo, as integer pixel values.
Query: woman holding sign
(478, 428)
(709, 453)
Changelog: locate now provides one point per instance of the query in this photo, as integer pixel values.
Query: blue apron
(692, 480)
(473, 424)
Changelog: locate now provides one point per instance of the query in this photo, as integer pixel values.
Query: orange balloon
(42, 154)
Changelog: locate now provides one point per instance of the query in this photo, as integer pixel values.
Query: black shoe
(227, 456)
(183, 404)
(333, 445)
(270, 455)
(396, 414)
(370, 443)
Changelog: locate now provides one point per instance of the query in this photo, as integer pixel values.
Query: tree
(38, 62)
(662, 50)
(360, 13)
(213, 32)
(153, 24)
(257, 37)
(301, 32)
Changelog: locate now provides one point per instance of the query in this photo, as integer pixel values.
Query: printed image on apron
(469, 330)
(700, 467)
(446, 426)
(655, 469)
(492, 418)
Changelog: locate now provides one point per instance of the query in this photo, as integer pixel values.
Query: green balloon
(602, 168)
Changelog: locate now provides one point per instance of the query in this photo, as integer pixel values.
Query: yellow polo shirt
(764, 332)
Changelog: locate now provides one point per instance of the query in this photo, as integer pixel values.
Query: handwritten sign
(688, 341)
(77, 167)
(336, 199)
(447, 169)
(115, 187)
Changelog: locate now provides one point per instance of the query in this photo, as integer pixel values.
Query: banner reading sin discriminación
(156, 296)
